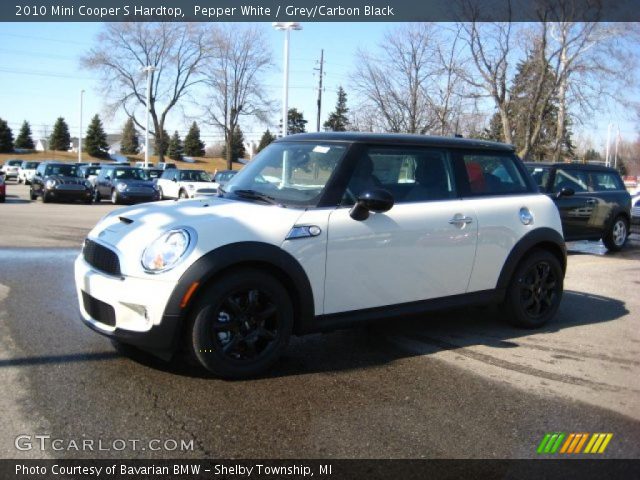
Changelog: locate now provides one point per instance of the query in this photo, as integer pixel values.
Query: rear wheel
(241, 324)
(96, 196)
(32, 194)
(115, 198)
(183, 194)
(617, 235)
(160, 193)
(535, 290)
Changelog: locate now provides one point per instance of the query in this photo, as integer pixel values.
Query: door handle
(459, 219)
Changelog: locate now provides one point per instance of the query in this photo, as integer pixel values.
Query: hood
(66, 179)
(215, 222)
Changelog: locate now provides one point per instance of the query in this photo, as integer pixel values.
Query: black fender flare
(539, 238)
(263, 255)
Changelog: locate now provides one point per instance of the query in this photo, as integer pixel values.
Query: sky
(41, 77)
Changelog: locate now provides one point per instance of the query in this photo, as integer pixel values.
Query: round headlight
(50, 183)
(121, 187)
(166, 251)
(88, 184)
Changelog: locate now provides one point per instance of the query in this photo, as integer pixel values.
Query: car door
(103, 182)
(577, 210)
(37, 184)
(422, 248)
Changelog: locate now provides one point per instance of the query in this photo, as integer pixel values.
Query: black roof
(581, 166)
(398, 139)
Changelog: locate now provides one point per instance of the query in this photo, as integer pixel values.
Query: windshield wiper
(255, 195)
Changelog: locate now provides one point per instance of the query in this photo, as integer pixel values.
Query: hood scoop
(125, 220)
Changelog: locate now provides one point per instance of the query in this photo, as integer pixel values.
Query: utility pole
(320, 88)
(615, 158)
(286, 27)
(80, 133)
(149, 70)
(607, 160)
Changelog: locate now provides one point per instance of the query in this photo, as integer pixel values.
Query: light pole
(287, 27)
(80, 132)
(149, 70)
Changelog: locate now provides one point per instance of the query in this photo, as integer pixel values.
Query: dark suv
(592, 201)
(124, 184)
(60, 181)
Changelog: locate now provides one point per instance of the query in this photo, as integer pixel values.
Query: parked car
(124, 184)
(635, 214)
(10, 168)
(26, 171)
(166, 166)
(59, 181)
(222, 177)
(142, 165)
(416, 223)
(154, 173)
(3, 189)
(185, 184)
(90, 172)
(592, 200)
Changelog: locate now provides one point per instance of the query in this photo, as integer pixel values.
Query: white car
(26, 172)
(320, 231)
(174, 183)
(10, 168)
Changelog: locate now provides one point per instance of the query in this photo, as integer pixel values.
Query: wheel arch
(541, 238)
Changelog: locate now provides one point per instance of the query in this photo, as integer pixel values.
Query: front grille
(101, 258)
(140, 190)
(98, 310)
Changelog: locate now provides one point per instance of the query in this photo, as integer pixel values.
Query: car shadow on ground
(377, 344)
(16, 199)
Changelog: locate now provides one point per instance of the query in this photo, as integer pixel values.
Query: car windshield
(30, 165)
(540, 175)
(194, 176)
(154, 173)
(130, 174)
(92, 171)
(63, 170)
(288, 173)
(224, 177)
(14, 163)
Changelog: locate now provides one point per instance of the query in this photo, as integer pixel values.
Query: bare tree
(234, 79)
(176, 52)
(396, 82)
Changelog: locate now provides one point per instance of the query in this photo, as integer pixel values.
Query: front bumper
(63, 192)
(133, 197)
(128, 309)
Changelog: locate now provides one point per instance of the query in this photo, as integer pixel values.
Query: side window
(493, 174)
(411, 175)
(40, 170)
(578, 180)
(166, 175)
(603, 181)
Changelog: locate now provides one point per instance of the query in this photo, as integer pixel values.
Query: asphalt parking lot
(458, 384)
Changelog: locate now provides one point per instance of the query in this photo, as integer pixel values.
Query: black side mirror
(174, 179)
(565, 192)
(377, 200)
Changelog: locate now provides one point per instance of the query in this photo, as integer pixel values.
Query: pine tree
(60, 138)
(237, 143)
(265, 140)
(24, 139)
(129, 145)
(6, 137)
(96, 140)
(338, 120)
(161, 143)
(297, 123)
(193, 146)
(175, 147)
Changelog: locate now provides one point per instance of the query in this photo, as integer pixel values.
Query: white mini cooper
(318, 232)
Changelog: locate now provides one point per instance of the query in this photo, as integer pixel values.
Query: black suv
(592, 200)
(124, 184)
(60, 181)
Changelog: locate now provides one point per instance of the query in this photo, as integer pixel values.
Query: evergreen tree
(60, 138)
(161, 143)
(193, 146)
(266, 139)
(175, 147)
(95, 142)
(6, 137)
(24, 139)
(237, 144)
(129, 145)
(494, 131)
(297, 123)
(338, 120)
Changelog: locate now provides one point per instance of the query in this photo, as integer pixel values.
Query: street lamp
(150, 69)
(287, 27)
(80, 133)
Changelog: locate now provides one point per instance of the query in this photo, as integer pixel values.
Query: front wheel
(535, 290)
(617, 235)
(183, 194)
(96, 196)
(241, 324)
(115, 198)
(32, 195)
(160, 193)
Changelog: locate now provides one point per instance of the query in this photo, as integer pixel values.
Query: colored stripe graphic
(581, 443)
(543, 443)
(568, 442)
(573, 443)
(598, 442)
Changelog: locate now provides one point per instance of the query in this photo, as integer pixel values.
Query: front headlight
(121, 187)
(88, 184)
(50, 183)
(166, 251)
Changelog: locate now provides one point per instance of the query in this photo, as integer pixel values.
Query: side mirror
(175, 179)
(377, 200)
(565, 192)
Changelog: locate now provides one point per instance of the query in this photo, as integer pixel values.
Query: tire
(160, 193)
(246, 304)
(45, 198)
(617, 235)
(115, 198)
(2, 199)
(32, 195)
(182, 194)
(96, 196)
(535, 290)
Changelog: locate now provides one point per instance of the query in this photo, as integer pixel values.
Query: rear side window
(578, 180)
(603, 181)
(493, 174)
